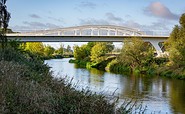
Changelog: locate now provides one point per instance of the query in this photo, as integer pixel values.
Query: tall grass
(20, 94)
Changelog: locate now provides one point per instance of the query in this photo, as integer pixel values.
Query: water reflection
(159, 94)
(177, 96)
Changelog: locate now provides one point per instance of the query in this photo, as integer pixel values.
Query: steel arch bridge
(87, 30)
(88, 33)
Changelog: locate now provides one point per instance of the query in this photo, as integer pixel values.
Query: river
(161, 95)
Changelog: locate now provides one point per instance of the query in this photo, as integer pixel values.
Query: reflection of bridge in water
(89, 33)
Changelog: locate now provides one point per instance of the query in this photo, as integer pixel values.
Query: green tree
(48, 50)
(36, 48)
(60, 50)
(99, 50)
(136, 53)
(68, 50)
(182, 20)
(176, 44)
(81, 53)
(4, 20)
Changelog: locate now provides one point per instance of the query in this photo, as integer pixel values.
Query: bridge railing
(157, 32)
(88, 32)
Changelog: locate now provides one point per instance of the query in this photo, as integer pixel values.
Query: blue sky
(139, 14)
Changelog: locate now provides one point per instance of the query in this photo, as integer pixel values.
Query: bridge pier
(158, 49)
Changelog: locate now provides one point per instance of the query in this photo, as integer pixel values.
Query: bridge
(88, 33)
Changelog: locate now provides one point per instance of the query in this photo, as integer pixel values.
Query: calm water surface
(161, 95)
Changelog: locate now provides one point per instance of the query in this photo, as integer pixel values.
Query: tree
(182, 20)
(81, 53)
(136, 53)
(36, 48)
(48, 50)
(99, 50)
(60, 50)
(176, 44)
(4, 20)
(68, 49)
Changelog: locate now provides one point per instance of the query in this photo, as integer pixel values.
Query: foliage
(20, 95)
(137, 54)
(60, 51)
(84, 51)
(117, 67)
(4, 20)
(99, 50)
(175, 44)
(48, 50)
(68, 49)
(36, 48)
(80, 53)
(79, 63)
(182, 20)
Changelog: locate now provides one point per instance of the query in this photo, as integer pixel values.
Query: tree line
(46, 51)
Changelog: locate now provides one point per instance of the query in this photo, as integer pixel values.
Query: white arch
(88, 30)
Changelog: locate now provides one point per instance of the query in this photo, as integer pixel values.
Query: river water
(161, 95)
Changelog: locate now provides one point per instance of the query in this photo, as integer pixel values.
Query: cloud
(32, 26)
(93, 21)
(35, 16)
(40, 25)
(159, 10)
(55, 19)
(112, 17)
(128, 16)
(87, 4)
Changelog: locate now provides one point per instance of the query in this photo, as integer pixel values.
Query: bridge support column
(157, 48)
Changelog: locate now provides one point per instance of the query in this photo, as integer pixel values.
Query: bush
(117, 67)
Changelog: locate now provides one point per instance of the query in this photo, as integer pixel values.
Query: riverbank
(56, 57)
(27, 86)
(159, 67)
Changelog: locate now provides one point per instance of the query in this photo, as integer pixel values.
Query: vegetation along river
(161, 95)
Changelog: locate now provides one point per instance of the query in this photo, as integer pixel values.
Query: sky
(145, 15)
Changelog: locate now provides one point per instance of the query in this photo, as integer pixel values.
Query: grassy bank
(27, 86)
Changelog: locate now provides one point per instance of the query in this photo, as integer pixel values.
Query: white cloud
(93, 21)
(55, 19)
(31, 26)
(112, 17)
(87, 4)
(159, 10)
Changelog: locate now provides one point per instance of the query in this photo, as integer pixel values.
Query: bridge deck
(81, 38)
